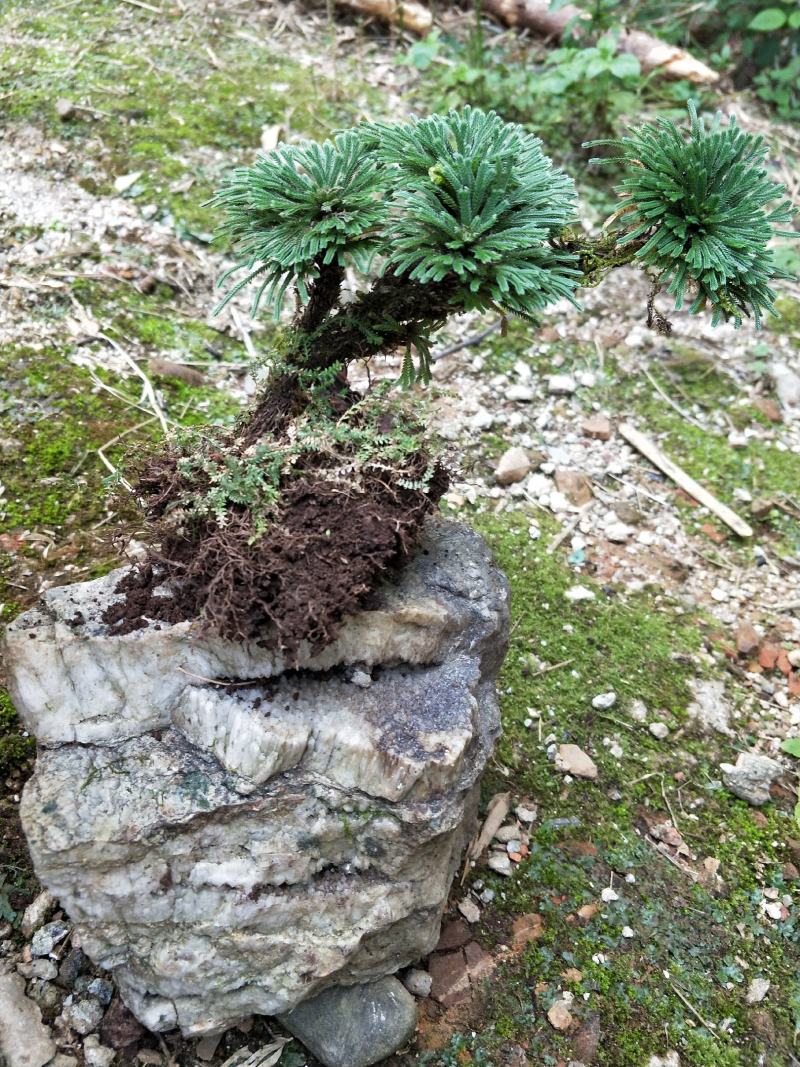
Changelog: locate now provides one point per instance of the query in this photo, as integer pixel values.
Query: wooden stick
(407, 14)
(144, 6)
(650, 450)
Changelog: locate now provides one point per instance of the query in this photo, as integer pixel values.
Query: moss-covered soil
(101, 274)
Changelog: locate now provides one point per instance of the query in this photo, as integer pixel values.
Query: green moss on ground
(54, 479)
(696, 944)
(16, 748)
(760, 468)
(171, 96)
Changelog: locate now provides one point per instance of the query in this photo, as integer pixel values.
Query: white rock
(418, 982)
(513, 466)
(561, 384)
(557, 502)
(757, 990)
(659, 730)
(82, 1014)
(24, 1039)
(669, 1059)
(604, 701)
(520, 392)
(573, 760)
(36, 913)
(44, 969)
(627, 931)
(638, 710)
(507, 833)
(751, 776)
(469, 909)
(608, 895)
(710, 708)
(297, 831)
(126, 181)
(524, 813)
(618, 532)
(75, 683)
(500, 863)
(95, 1054)
(361, 678)
(576, 593)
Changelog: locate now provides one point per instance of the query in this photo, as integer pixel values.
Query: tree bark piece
(407, 14)
(650, 450)
(653, 54)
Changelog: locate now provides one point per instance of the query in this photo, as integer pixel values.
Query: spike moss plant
(279, 528)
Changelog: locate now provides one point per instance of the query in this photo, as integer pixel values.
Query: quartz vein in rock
(236, 849)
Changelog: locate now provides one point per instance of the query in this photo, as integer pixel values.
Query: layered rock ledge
(232, 837)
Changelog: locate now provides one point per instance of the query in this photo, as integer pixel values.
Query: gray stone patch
(751, 776)
(355, 1026)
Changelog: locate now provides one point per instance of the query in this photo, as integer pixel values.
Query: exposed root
(333, 535)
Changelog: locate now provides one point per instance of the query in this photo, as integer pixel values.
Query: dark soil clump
(318, 563)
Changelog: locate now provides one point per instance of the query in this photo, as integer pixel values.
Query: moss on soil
(695, 947)
(160, 94)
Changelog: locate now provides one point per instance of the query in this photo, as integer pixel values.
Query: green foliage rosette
(298, 209)
(463, 196)
(476, 198)
(705, 207)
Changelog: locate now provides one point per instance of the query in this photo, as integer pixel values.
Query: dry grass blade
(499, 807)
(266, 1056)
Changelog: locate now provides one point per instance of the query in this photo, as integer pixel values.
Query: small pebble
(47, 937)
(604, 701)
(418, 982)
(757, 990)
(469, 909)
(500, 863)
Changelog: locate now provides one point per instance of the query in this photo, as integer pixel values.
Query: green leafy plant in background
(772, 43)
(758, 43)
(561, 95)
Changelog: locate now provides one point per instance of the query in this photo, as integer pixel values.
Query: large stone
(24, 1039)
(232, 837)
(355, 1026)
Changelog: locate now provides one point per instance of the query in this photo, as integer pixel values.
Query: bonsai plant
(277, 529)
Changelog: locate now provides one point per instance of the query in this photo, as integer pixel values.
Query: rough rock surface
(355, 1026)
(229, 848)
(751, 776)
(24, 1039)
